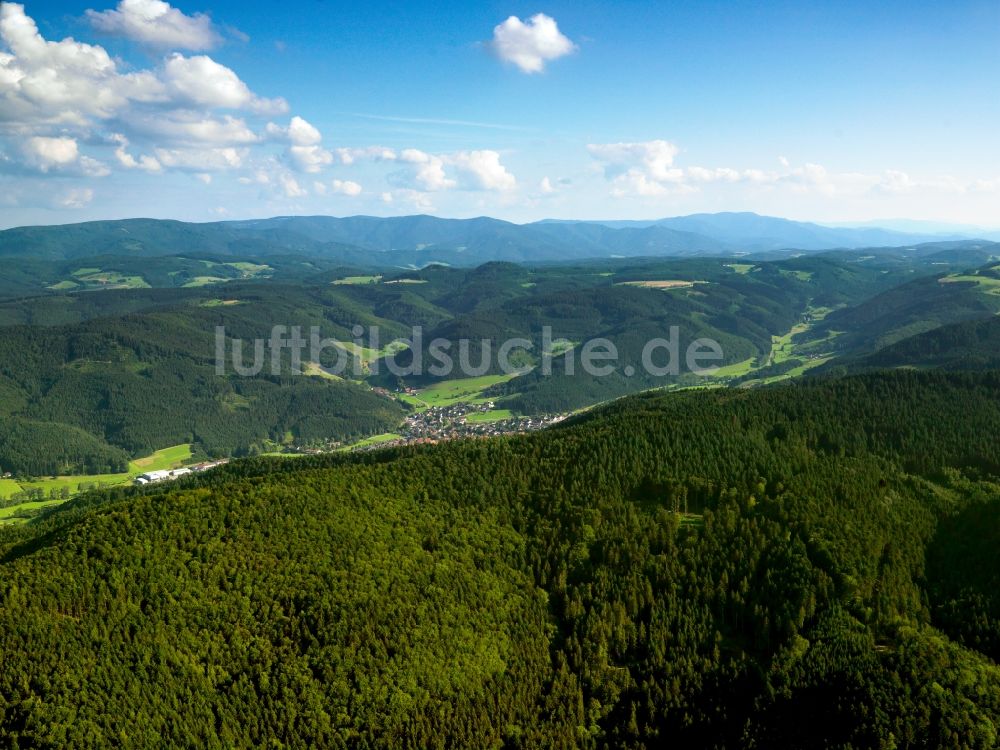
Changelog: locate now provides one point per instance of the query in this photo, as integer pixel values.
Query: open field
(800, 275)
(314, 370)
(199, 281)
(365, 354)
(793, 373)
(741, 268)
(9, 487)
(462, 390)
(735, 370)
(249, 269)
(663, 284)
(7, 514)
(166, 458)
(111, 280)
(385, 437)
(782, 348)
(988, 283)
(349, 280)
(485, 417)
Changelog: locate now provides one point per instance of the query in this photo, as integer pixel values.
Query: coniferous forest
(810, 565)
(498, 376)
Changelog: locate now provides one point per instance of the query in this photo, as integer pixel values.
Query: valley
(96, 378)
(543, 532)
(499, 376)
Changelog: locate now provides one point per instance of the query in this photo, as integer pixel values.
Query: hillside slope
(415, 241)
(775, 568)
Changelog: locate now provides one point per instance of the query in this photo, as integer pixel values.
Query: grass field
(166, 458)
(249, 269)
(735, 370)
(349, 280)
(794, 372)
(741, 268)
(663, 284)
(800, 275)
(485, 417)
(988, 283)
(365, 355)
(782, 348)
(462, 390)
(314, 370)
(98, 279)
(385, 437)
(6, 514)
(199, 281)
(9, 487)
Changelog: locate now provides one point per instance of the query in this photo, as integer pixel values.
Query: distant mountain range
(416, 241)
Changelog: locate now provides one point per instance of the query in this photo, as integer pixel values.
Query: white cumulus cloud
(655, 159)
(304, 152)
(201, 80)
(59, 154)
(374, 153)
(46, 153)
(429, 174)
(66, 82)
(189, 127)
(530, 45)
(144, 162)
(346, 187)
(482, 170)
(58, 98)
(202, 159)
(75, 198)
(291, 187)
(157, 24)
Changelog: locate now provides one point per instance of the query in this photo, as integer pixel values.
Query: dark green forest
(88, 395)
(810, 565)
(91, 374)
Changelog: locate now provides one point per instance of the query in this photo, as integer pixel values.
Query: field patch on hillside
(461, 390)
(662, 284)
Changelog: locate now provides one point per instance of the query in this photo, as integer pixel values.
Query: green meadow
(166, 458)
(461, 390)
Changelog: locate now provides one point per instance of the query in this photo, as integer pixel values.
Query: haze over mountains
(414, 241)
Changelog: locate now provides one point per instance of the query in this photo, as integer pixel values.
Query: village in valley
(463, 420)
(435, 424)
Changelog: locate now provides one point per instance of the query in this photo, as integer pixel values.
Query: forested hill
(419, 240)
(806, 566)
(971, 345)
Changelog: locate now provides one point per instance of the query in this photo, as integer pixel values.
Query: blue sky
(202, 110)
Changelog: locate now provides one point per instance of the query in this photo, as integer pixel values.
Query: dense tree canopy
(804, 566)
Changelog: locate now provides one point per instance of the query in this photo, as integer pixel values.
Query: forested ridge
(91, 375)
(804, 566)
